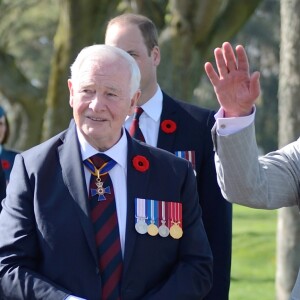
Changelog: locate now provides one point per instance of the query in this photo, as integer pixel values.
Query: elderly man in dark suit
(94, 214)
(182, 129)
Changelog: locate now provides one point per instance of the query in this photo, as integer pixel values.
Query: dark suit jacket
(2, 185)
(47, 245)
(193, 132)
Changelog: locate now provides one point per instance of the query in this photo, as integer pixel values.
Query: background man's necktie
(135, 130)
(104, 218)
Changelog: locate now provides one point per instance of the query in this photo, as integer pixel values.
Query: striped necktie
(135, 130)
(105, 222)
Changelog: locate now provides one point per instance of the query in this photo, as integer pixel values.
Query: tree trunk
(194, 29)
(288, 234)
(81, 24)
(189, 30)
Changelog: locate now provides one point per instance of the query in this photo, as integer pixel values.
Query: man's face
(129, 38)
(100, 98)
(2, 129)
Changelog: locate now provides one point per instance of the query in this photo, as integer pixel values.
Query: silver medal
(163, 230)
(141, 226)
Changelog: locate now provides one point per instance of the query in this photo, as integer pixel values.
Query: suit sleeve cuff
(227, 126)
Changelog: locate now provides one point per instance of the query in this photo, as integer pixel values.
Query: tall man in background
(182, 129)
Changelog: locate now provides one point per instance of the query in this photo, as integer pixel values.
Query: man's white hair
(97, 51)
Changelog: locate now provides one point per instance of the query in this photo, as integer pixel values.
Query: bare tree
(288, 233)
(80, 24)
(194, 28)
(189, 31)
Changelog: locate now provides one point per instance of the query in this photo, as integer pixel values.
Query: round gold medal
(152, 229)
(176, 231)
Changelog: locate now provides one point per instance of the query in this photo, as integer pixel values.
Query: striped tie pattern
(104, 218)
(135, 130)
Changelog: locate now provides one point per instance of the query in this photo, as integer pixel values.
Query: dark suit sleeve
(2, 184)
(19, 250)
(191, 279)
(217, 219)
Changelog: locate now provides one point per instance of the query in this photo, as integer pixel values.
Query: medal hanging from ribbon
(163, 229)
(98, 172)
(175, 209)
(140, 216)
(152, 206)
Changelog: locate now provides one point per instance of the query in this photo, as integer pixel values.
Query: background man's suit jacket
(47, 245)
(271, 182)
(193, 133)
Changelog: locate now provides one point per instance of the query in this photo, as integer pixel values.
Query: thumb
(255, 85)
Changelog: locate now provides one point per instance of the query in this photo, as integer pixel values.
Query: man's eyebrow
(112, 88)
(86, 83)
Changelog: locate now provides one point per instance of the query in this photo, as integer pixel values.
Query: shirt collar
(153, 107)
(117, 152)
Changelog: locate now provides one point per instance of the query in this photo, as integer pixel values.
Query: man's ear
(70, 86)
(156, 55)
(134, 100)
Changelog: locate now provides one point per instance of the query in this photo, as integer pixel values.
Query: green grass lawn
(253, 254)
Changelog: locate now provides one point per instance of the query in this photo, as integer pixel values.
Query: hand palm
(233, 92)
(235, 88)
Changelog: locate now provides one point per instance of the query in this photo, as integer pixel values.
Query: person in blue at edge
(52, 220)
(182, 129)
(7, 156)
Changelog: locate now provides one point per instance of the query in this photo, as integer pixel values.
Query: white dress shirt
(150, 119)
(227, 126)
(118, 175)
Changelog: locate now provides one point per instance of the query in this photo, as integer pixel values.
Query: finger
(229, 55)
(254, 85)
(211, 74)
(220, 62)
(243, 64)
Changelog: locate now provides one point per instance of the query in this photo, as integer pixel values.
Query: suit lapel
(166, 140)
(137, 186)
(73, 176)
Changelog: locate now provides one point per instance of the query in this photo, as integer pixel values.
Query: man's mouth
(97, 119)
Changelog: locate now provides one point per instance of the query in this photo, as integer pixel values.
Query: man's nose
(98, 103)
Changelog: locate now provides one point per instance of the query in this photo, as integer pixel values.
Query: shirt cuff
(227, 126)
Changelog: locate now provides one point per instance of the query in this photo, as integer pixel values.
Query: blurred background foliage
(35, 36)
(27, 29)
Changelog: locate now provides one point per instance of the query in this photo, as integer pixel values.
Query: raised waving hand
(235, 87)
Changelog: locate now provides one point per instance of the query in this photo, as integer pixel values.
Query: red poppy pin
(5, 164)
(168, 126)
(140, 163)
